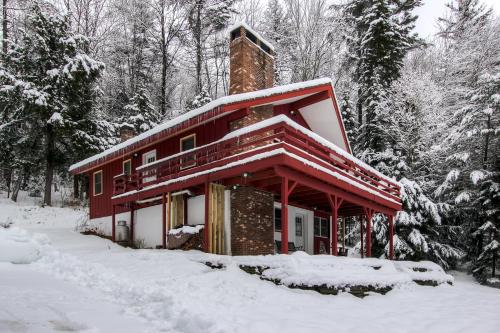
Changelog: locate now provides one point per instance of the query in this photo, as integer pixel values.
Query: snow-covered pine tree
(276, 28)
(48, 83)
(471, 164)
(349, 118)
(199, 100)
(140, 114)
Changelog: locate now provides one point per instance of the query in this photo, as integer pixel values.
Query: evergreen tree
(349, 119)
(48, 82)
(199, 100)
(140, 114)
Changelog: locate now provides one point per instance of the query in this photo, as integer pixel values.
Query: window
(277, 219)
(298, 225)
(321, 227)
(188, 143)
(147, 158)
(127, 167)
(98, 182)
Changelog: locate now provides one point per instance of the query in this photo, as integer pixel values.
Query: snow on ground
(87, 284)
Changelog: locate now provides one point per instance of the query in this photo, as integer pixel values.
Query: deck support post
(284, 215)
(362, 250)
(206, 246)
(343, 234)
(131, 240)
(391, 237)
(164, 220)
(369, 215)
(335, 203)
(113, 224)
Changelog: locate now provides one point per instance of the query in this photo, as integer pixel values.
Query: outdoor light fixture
(135, 155)
(292, 113)
(246, 175)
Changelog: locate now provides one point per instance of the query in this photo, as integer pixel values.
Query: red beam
(306, 101)
(113, 227)
(132, 224)
(391, 237)
(206, 246)
(284, 215)
(163, 220)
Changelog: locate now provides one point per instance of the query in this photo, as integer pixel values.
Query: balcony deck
(266, 149)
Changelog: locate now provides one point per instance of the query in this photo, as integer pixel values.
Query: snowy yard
(87, 284)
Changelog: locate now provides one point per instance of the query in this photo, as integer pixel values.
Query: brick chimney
(251, 61)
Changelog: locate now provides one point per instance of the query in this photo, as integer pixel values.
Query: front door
(321, 235)
(299, 232)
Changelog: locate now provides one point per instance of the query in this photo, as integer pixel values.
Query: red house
(262, 169)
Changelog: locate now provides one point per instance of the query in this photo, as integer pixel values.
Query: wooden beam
(309, 100)
(391, 237)
(206, 239)
(163, 221)
(132, 210)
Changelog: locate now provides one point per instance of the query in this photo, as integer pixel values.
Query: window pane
(127, 168)
(97, 183)
(317, 223)
(277, 219)
(298, 226)
(325, 228)
(187, 143)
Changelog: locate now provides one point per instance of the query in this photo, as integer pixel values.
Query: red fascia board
(195, 121)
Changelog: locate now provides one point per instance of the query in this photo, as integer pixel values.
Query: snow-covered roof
(123, 147)
(255, 33)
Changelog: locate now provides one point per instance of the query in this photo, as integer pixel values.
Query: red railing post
(391, 237)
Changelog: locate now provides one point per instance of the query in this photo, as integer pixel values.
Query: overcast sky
(432, 9)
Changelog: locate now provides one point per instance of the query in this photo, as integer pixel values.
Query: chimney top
(252, 35)
(251, 60)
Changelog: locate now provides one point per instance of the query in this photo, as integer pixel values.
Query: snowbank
(302, 269)
(18, 247)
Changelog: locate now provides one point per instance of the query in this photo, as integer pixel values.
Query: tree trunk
(7, 176)
(17, 186)
(49, 167)
(163, 93)
(5, 28)
(199, 55)
(487, 142)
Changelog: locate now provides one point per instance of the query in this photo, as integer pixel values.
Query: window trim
(181, 140)
(93, 183)
(123, 166)
(274, 219)
(146, 154)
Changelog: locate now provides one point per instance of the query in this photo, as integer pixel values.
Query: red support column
(369, 234)
(284, 215)
(362, 250)
(206, 246)
(164, 220)
(335, 231)
(391, 237)
(131, 224)
(113, 217)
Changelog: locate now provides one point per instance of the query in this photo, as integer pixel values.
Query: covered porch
(277, 156)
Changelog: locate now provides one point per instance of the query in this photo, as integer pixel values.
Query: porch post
(113, 218)
(362, 250)
(131, 224)
(164, 220)
(369, 215)
(335, 203)
(343, 234)
(284, 215)
(391, 237)
(206, 246)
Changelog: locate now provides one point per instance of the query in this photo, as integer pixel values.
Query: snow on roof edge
(230, 99)
(249, 29)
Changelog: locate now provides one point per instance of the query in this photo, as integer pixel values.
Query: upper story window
(236, 33)
(147, 158)
(188, 143)
(97, 180)
(127, 167)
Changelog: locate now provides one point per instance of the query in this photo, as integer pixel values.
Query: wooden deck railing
(232, 149)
